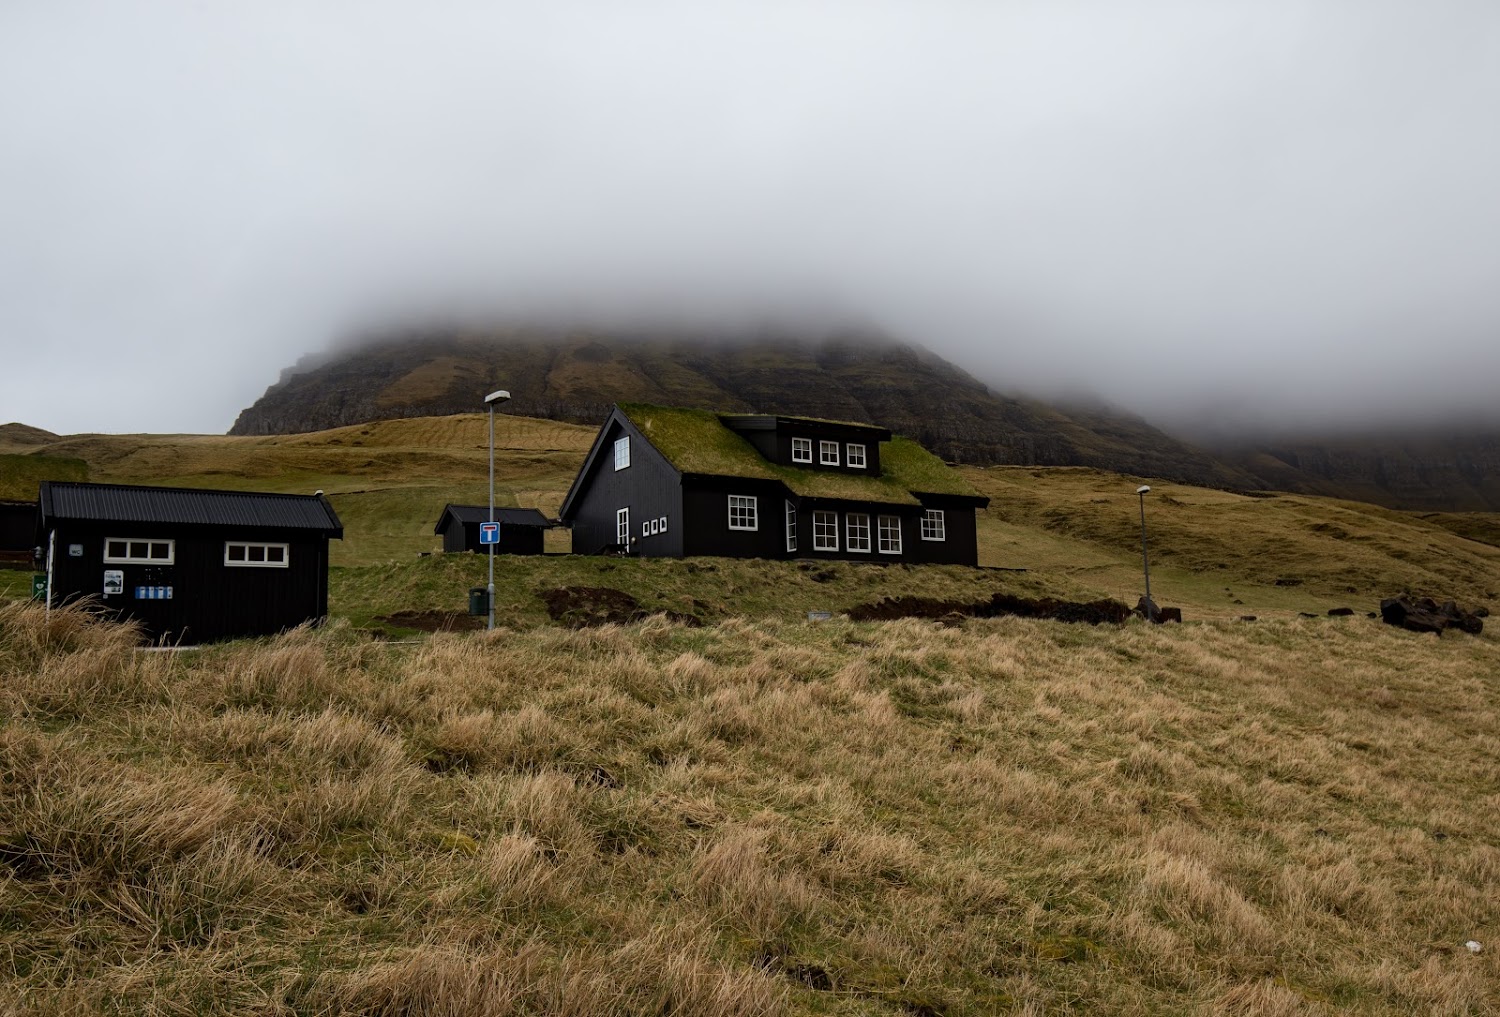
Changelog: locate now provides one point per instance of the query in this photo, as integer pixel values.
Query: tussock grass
(758, 817)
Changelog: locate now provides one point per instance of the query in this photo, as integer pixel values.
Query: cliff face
(575, 376)
(1423, 471)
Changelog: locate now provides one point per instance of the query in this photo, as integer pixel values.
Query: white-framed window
(933, 527)
(622, 527)
(890, 534)
(257, 554)
(854, 455)
(828, 453)
(801, 450)
(622, 452)
(791, 527)
(655, 526)
(663, 522)
(645, 527)
(825, 531)
(139, 551)
(742, 512)
(857, 531)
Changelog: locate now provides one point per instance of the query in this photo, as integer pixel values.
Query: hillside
(1420, 470)
(575, 376)
(747, 813)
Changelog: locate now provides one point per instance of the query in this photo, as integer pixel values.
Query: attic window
(622, 452)
(119, 551)
(801, 450)
(828, 453)
(254, 554)
(854, 455)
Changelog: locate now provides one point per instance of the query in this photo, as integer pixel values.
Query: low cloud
(1280, 210)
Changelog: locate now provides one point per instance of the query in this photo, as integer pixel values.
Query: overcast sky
(1286, 208)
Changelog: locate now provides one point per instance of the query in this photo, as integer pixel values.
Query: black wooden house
(521, 529)
(666, 482)
(189, 565)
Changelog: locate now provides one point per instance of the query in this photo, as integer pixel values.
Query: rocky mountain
(576, 375)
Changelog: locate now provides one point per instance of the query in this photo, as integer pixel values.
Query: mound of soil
(1427, 615)
(1093, 612)
(584, 606)
(434, 621)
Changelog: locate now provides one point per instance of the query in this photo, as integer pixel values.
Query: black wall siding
(210, 600)
(18, 522)
(650, 487)
(705, 503)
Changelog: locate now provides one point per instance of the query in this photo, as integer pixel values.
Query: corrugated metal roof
(123, 503)
(504, 516)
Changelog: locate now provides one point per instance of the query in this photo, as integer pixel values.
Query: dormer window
(622, 452)
(854, 455)
(801, 450)
(828, 453)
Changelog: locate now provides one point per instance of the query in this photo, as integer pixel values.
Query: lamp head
(1143, 489)
(497, 396)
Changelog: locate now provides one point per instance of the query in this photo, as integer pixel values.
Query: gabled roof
(699, 442)
(123, 503)
(481, 513)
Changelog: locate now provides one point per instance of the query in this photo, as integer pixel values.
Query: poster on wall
(114, 582)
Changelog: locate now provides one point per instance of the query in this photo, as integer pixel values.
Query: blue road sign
(489, 533)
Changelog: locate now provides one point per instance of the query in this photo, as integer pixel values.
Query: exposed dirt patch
(583, 606)
(434, 621)
(1093, 612)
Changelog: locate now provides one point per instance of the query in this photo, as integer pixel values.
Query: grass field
(757, 814)
(756, 817)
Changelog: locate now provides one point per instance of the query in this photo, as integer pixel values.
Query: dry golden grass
(754, 818)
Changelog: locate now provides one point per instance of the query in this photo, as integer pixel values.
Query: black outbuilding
(521, 529)
(668, 482)
(189, 565)
(17, 532)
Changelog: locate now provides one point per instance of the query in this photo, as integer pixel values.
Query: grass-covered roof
(696, 441)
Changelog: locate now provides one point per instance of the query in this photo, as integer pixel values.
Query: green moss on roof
(696, 441)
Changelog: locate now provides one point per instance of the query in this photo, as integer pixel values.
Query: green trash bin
(479, 601)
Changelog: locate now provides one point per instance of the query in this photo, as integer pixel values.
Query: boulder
(1426, 615)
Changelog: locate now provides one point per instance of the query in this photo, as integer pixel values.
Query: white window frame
(622, 452)
(854, 539)
(622, 526)
(748, 509)
(803, 445)
(645, 527)
(129, 559)
(934, 525)
(849, 456)
(883, 526)
(828, 453)
(829, 528)
(663, 522)
(791, 528)
(286, 554)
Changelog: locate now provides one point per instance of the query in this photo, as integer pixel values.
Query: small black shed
(189, 565)
(521, 529)
(17, 531)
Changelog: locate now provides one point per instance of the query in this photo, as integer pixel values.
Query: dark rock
(1427, 615)
(1171, 614)
(826, 576)
(1247, 617)
(1288, 582)
(1305, 614)
(1340, 612)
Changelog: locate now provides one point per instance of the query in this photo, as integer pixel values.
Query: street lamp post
(490, 400)
(1142, 491)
